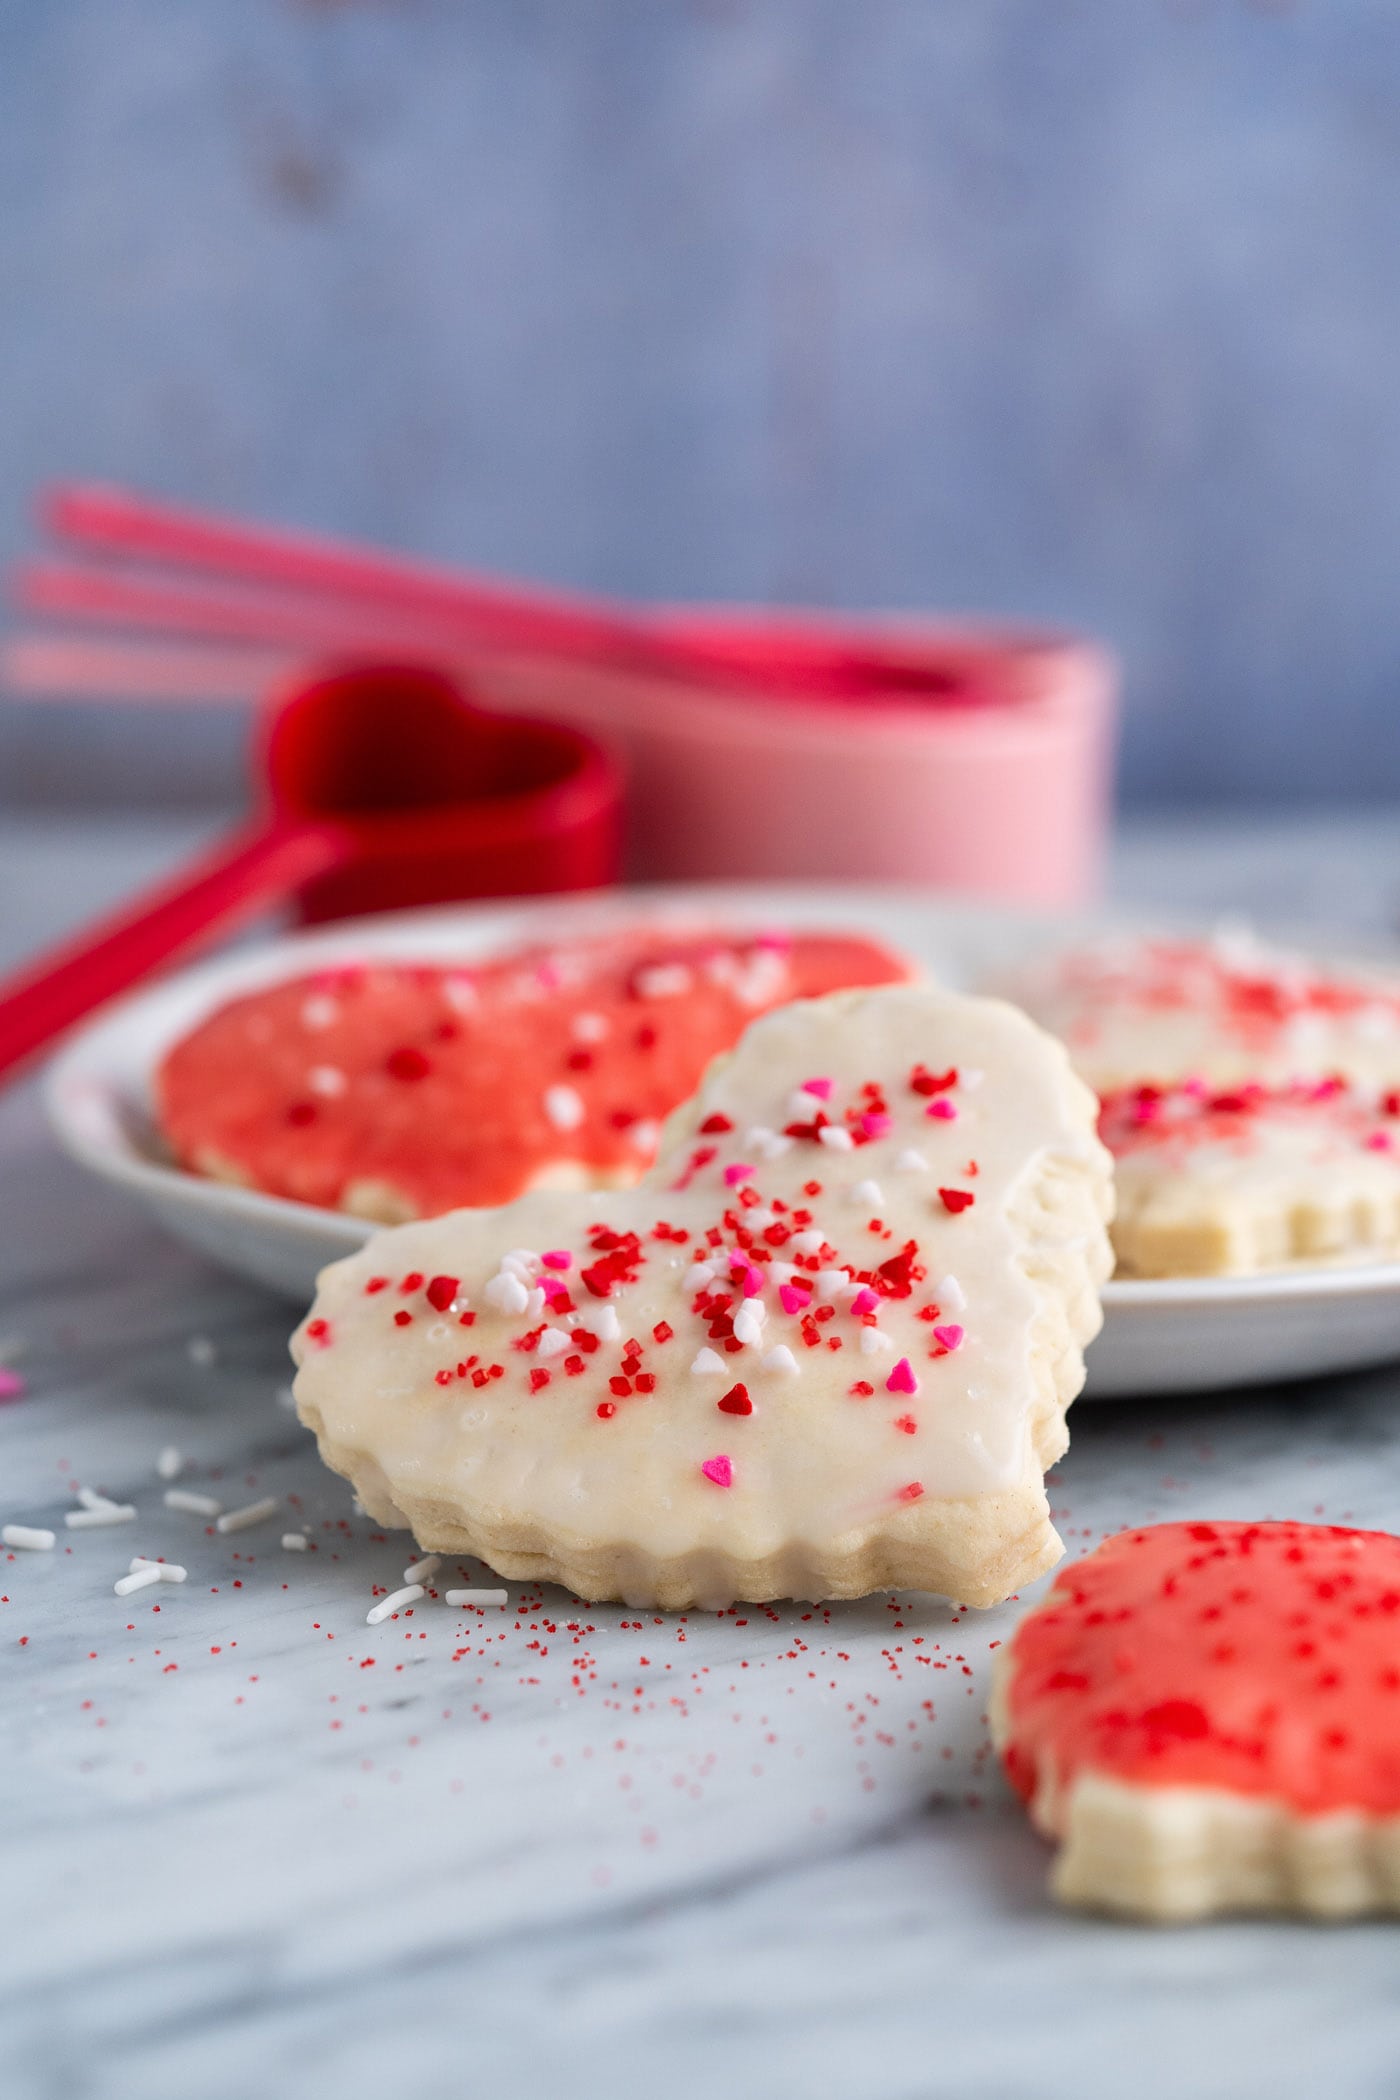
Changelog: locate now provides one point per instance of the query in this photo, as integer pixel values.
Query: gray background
(1082, 311)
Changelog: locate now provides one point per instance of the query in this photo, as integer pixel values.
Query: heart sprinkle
(901, 1378)
(950, 1337)
(735, 1402)
(719, 1470)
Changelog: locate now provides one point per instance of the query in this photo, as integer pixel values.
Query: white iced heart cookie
(1230, 1182)
(1224, 1011)
(825, 1347)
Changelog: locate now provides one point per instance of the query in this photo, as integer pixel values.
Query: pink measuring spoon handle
(231, 882)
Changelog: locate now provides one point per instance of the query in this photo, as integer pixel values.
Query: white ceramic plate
(1175, 1337)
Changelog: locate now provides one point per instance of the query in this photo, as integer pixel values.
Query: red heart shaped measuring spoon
(381, 789)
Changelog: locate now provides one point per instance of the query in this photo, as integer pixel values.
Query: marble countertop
(249, 1845)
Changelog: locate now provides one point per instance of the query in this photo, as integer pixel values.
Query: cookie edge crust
(1175, 1855)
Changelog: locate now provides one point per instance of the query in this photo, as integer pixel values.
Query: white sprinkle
(663, 981)
(748, 1323)
(867, 1192)
(809, 1242)
(831, 1284)
(643, 1135)
(950, 1295)
(758, 1219)
(201, 1350)
(318, 1012)
(873, 1343)
(29, 1538)
(395, 1601)
(423, 1570)
(781, 1272)
(780, 1359)
(768, 1144)
(507, 1293)
(836, 1138)
(143, 1579)
(564, 1107)
(801, 1105)
(170, 1464)
(293, 1542)
(251, 1513)
(911, 1162)
(553, 1342)
(589, 1028)
(698, 1275)
(523, 1260)
(478, 1597)
(90, 1499)
(94, 1519)
(166, 1570)
(534, 1304)
(194, 1505)
(606, 1325)
(327, 1079)
(706, 1364)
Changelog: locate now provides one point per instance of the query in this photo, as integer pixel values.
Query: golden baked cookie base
(1162, 1232)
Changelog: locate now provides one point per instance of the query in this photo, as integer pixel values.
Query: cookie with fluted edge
(1226, 1011)
(826, 1347)
(1206, 1717)
(1235, 1181)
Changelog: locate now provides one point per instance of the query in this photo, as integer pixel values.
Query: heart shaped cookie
(396, 1091)
(1231, 1182)
(1207, 1717)
(825, 1347)
(1225, 1011)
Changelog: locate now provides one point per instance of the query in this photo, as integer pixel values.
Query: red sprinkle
(736, 1401)
(956, 1199)
(407, 1064)
(441, 1291)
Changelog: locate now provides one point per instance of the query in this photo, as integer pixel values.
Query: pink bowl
(1004, 794)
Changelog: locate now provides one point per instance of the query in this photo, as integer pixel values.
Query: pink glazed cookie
(395, 1092)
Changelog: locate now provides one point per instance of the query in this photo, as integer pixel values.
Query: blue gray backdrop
(1082, 309)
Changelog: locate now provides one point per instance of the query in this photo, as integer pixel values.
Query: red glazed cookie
(396, 1091)
(1207, 1717)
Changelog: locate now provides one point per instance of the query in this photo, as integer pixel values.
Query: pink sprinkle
(719, 1470)
(951, 1337)
(942, 1110)
(557, 1258)
(553, 1289)
(794, 1297)
(735, 1174)
(12, 1386)
(1379, 1141)
(901, 1378)
(876, 1125)
(820, 1087)
(745, 1273)
(864, 1301)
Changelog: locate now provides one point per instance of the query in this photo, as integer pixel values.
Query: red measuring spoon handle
(231, 882)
